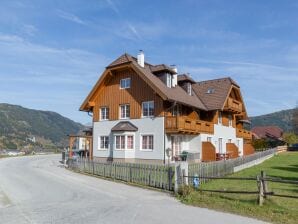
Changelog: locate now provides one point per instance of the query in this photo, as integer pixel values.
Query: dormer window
(210, 90)
(169, 80)
(125, 83)
(189, 88)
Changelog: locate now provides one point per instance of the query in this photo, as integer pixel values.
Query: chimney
(141, 58)
(174, 68)
(174, 76)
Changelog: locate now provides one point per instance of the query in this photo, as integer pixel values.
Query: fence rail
(224, 167)
(153, 175)
(261, 182)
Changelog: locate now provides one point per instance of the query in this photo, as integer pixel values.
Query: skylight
(210, 90)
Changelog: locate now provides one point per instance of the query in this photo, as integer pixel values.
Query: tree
(295, 120)
(290, 138)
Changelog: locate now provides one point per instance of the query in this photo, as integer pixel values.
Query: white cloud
(70, 17)
(29, 29)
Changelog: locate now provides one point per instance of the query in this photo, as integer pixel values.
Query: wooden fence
(224, 167)
(153, 175)
(261, 182)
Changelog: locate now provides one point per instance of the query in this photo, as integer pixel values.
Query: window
(176, 145)
(124, 111)
(176, 111)
(124, 142)
(148, 109)
(230, 120)
(209, 139)
(125, 83)
(147, 142)
(120, 142)
(210, 90)
(220, 145)
(104, 142)
(238, 143)
(189, 88)
(219, 118)
(129, 142)
(104, 113)
(169, 80)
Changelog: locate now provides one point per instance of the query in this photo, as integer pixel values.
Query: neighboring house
(272, 134)
(81, 143)
(149, 113)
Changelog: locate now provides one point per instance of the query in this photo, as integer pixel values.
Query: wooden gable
(110, 95)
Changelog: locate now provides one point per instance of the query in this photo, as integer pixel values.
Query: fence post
(178, 177)
(264, 183)
(170, 177)
(261, 193)
(92, 166)
(181, 175)
(130, 173)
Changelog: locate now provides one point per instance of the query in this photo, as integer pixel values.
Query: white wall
(224, 132)
(154, 126)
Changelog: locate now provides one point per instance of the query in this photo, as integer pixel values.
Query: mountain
(27, 128)
(282, 119)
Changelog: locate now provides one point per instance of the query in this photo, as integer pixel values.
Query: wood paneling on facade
(208, 152)
(232, 150)
(112, 96)
(248, 149)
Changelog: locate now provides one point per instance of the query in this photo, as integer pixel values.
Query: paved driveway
(37, 189)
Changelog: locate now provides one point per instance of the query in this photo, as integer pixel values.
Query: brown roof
(172, 94)
(213, 93)
(125, 58)
(185, 77)
(200, 98)
(267, 132)
(124, 126)
(161, 68)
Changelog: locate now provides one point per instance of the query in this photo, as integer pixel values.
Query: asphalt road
(37, 189)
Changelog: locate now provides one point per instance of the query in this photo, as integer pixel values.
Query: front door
(176, 146)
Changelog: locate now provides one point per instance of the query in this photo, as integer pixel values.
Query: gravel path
(36, 189)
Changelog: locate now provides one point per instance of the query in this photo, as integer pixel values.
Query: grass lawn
(275, 209)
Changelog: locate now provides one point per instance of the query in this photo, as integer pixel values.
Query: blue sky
(53, 52)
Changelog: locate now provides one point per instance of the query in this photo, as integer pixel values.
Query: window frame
(126, 81)
(99, 141)
(230, 120)
(189, 89)
(169, 80)
(120, 111)
(125, 135)
(100, 113)
(141, 142)
(220, 145)
(147, 103)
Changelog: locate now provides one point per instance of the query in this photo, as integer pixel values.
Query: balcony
(233, 105)
(242, 133)
(185, 125)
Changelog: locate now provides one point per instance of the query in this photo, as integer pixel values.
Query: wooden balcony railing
(233, 105)
(182, 124)
(242, 133)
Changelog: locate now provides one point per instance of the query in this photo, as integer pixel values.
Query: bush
(185, 191)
